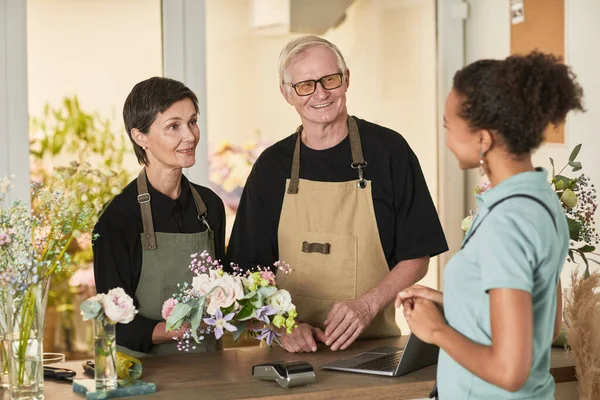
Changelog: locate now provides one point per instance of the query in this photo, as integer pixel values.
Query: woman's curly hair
(518, 97)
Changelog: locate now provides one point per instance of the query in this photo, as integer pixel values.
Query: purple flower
(220, 323)
(268, 335)
(262, 313)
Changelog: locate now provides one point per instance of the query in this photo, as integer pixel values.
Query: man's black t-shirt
(407, 220)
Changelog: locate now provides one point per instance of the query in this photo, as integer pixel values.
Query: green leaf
(241, 328)
(552, 163)
(249, 295)
(586, 273)
(574, 229)
(180, 311)
(246, 313)
(560, 185)
(229, 309)
(574, 153)
(559, 178)
(586, 249)
(90, 308)
(267, 291)
(575, 164)
(196, 318)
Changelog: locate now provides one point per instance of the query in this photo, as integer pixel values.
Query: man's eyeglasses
(308, 87)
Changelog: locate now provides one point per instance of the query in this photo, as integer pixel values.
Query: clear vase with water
(4, 378)
(24, 342)
(105, 355)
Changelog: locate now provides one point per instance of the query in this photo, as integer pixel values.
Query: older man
(343, 201)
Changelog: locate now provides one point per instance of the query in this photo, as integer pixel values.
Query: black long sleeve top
(118, 248)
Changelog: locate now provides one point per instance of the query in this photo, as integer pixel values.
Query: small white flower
(281, 301)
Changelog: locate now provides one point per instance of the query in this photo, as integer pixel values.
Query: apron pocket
(327, 276)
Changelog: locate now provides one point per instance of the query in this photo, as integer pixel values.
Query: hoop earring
(482, 166)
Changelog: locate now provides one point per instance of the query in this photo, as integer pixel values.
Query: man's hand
(302, 339)
(345, 321)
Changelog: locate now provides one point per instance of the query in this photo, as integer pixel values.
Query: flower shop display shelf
(228, 375)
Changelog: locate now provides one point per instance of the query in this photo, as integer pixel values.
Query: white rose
(201, 284)
(281, 301)
(118, 306)
(228, 289)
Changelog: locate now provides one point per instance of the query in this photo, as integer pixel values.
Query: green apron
(165, 261)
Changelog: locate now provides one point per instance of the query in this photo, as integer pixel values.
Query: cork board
(541, 27)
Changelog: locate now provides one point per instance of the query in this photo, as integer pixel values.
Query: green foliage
(578, 199)
(69, 130)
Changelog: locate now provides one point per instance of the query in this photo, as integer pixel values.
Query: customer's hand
(424, 318)
(302, 339)
(419, 291)
(345, 321)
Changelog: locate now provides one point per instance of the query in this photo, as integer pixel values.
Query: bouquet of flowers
(217, 301)
(579, 201)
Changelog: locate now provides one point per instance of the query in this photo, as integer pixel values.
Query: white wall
(488, 35)
(95, 49)
(14, 149)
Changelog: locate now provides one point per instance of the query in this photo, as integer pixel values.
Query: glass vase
(105, 355)
(24, 340)
(4, 378)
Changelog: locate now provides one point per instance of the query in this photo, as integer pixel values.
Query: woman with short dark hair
(148, 231)
(502, 296)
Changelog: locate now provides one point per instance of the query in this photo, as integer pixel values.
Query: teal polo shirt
(513, 243)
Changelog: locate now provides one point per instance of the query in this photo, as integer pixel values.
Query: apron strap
(358, 160)
(295, 178)
(355, 145)
(144, 200)
(202, 210)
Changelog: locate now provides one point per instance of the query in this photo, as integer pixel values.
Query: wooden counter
(227, 375)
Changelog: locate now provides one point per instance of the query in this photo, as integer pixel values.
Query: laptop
(390, 361)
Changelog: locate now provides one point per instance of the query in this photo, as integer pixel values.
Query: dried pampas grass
(582, 311)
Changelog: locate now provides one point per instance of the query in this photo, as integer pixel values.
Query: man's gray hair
(298, 46)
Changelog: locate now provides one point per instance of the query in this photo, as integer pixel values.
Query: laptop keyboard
(388, 362)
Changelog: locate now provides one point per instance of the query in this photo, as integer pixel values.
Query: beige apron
(328, 234)
(166, 257)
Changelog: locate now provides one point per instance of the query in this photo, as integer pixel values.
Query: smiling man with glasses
(343, 201)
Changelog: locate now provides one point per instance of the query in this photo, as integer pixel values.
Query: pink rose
(229, 289)
(118, 306)
(167, 307)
